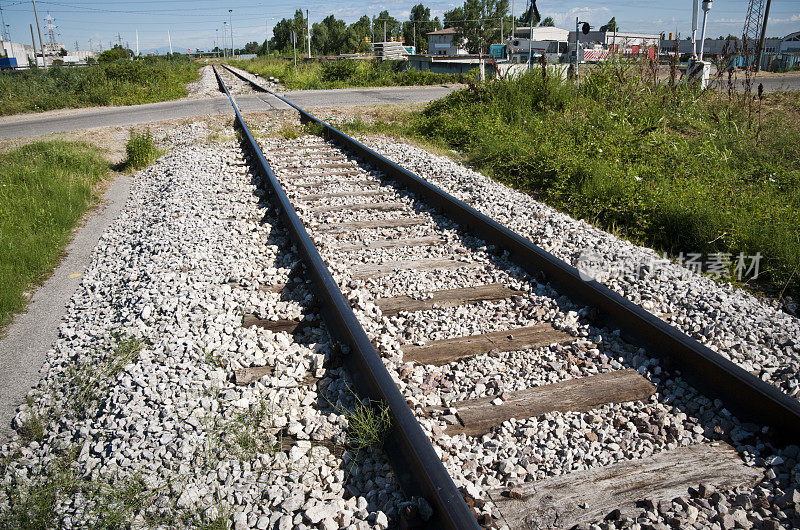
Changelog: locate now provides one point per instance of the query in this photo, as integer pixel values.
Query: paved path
(32, 333)
(138, 114)
(785, 83)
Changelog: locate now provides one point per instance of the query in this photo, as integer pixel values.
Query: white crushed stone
(175, 273)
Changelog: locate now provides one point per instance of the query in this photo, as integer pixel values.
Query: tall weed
(671, 167)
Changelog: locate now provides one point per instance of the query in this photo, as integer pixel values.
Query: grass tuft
(141, 150)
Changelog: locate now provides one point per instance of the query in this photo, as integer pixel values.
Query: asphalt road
(771, 84)
(32, 125)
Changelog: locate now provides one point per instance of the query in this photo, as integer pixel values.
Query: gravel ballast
(137, 418)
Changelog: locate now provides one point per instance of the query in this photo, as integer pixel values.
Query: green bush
(338, 70)
(123, 82)
(141, 150)
(344, 73)
(673, 168)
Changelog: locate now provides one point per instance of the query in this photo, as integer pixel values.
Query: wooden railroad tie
(478, 416)
(285, 174)
(288, 325)
(375, 270)
(376, 206)
(586, 496)
(446, 298)
(386, 243)
(325, 183)
(445, 351)
(330, 195)
(338, 228)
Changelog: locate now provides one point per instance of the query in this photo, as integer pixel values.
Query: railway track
(568, 421)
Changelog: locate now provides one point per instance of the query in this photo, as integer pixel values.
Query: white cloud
(793, 18)
(594, 15)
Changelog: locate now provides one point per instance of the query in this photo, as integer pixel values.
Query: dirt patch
(111, 140)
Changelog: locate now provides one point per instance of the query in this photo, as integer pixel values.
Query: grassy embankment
(345, 73)
(45, 188)
(118, 83)
(671, 168)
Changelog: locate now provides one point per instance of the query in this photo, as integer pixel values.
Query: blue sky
(196, 23)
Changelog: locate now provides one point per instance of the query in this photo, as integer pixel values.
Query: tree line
(479, 22)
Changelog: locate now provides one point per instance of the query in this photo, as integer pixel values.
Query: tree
(392, 26)
(329, 37)
(115, 53)
(419, 23)
(477, 23)
(525, 19)
(282, 32)
(357, 34)
(252, 47)
(548, 21)
(610, 26)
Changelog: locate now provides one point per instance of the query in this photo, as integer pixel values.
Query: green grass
(141, 150)
(672, 168)
(118, 83)
(345, 73)
(45, 188)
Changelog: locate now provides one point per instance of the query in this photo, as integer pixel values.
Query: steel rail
(742, 392)
(413, 458)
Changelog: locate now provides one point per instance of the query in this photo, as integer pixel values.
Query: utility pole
(39, 29)
(224, 41)
(695, 11)
(308, 33)
(384, 31)
(760, 47)
(33, 40)
(216, 41)
(119, 39)
(169, 38)
(230, 23)
(577, 38)
(5, 26)
(513, 20)
(137, 42)
(530, 41)
(294, 47)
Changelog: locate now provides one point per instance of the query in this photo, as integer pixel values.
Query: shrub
(141, 150)
(341, 70)
(673, 168)
(124, 82)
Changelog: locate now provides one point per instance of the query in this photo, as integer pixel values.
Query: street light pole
(224, 41)
(230, 23)
(706, 9)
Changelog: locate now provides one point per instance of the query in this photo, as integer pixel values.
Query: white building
(547, 40)
(53, 48)
(23, 53)
(443, 42)
(622, 42)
